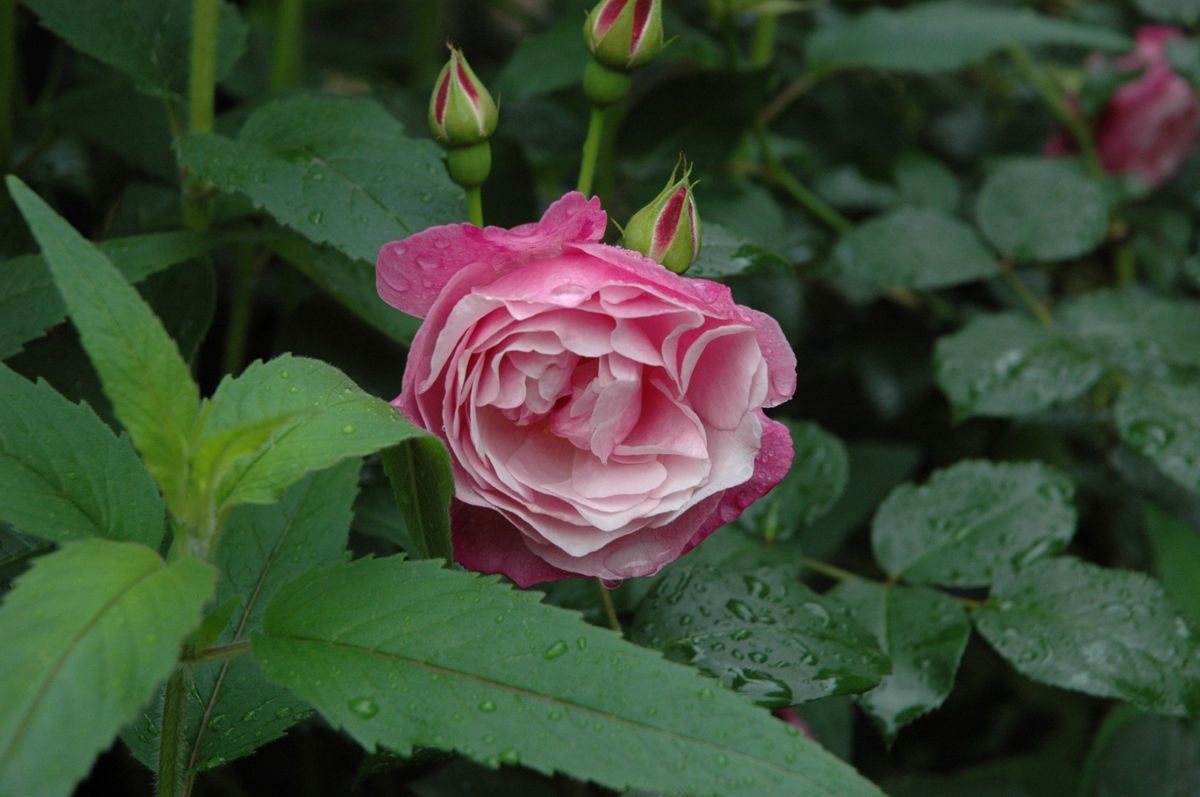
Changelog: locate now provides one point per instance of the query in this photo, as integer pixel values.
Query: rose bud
(603, 415)
(668, 229)
(461, 112)
(625, 34)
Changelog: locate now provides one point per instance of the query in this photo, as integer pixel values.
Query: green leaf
(143, 374)
(1137, 332)
(1184, 12)
(1176, 547)
(423, 484)
(1109, 633)
(1162, 423)
(545, 62)
(1042, 209)
(820, 470)
(351, 282)
(30, 304)
(923, 632)
(89, 632)
(262, 548)
(935, 37)
(914, 248)
(1008, 366)
(460, 662)
(974, 522)
(926, 182)
(149, 40)
(725, 253)
(65, 474)
(336, 170)
(763, 633)
(279, 420)
(1144, 756)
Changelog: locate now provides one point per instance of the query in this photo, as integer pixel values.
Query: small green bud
(625, 34)
(668, 229)
(461, 112)
(469, 166)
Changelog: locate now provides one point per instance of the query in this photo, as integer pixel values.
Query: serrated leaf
(89, 632)
(934, 37)
(1184, 12)
(1137, 332)
(914, 248)
(463, 663)
(1110, 633)
(974, 522)
(725, 253)
(762, 633)
(1161, 421)
(30, 304)
(64, 475)
(336, 170)
(143, 374)
(820, 470)
(1035, 209)
(149, 40)
(1009, 366)
(262, 548)
(423, 484)
(1176, 546)
(926, 182)
(923, 632)
(299, 415)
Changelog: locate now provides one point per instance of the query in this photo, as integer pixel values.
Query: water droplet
(722, 760)
(363, 707)
(706, 694)
(487, 707)
(740, 610)
(284, 375)
(555, 650)
(316, 217)
(510, 756)
(283, 713)
(349, 429)
(1149, 437)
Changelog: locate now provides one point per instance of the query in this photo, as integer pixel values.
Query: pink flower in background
(1150, 123)
(603, 414)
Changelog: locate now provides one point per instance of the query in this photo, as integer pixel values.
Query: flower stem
(826, 569)
(1052, 96)
(610, 611)
(762, 50)
(780, 176)
(8, 79)
(285, 57)
(171, 776)
(202, 88)
(475, 205)
(1026, 295)
(591, 150)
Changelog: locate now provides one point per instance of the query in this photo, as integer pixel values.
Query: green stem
(1052, 96)
(591, 150)
(475, 205)
(1027, 296)
(826, 569)
(286, 56)
(610, 611)
(807, 198)
(248, 264)
(8, 79)
(171, 776)
(1126, 263)
(222, 653)
(762, 50)
(202, 88)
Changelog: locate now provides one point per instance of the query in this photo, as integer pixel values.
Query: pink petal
(487, 543)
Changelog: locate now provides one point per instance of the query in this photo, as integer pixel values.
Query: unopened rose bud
(461, 112)
(668, 229)
(625, 34)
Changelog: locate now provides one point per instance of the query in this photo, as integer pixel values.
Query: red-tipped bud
(668, 229)
(625, 34)
(461, 112)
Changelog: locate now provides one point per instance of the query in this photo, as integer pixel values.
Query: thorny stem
(591, 150)
(1052, 96)
(1026, 295)
(610, 611)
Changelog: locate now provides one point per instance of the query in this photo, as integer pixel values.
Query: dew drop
(349, 429)
(363, 707)
(487, 707)
(555, 650)
(316, 217)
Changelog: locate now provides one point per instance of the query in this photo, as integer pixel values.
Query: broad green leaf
(89, 632)
(118, 119)
(545, 62)
(1137, 332)
(1176, 547)
(763, 633)
(847, 188)
(263, 430)
(725, 253)
(1042, 209)
(1110, 633)
(143, 374)
(149, 40)
(1162, 423)
(923, 632)
(914, 248)
(1185, 12)
(423, 484)
(935, 37)
(974, 522)
(64, 475)
(401, 654)
(926, 182)
(339, 171)
(30, 304)
(262, 548)
(818, 476)
(17, 551)
(1143, 756)
(351, 282)
(1008, 366)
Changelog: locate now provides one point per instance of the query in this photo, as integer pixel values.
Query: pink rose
(603, 414)
(1150, 123)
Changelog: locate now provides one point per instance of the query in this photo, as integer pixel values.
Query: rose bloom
(603, 414)
(1150, 123)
